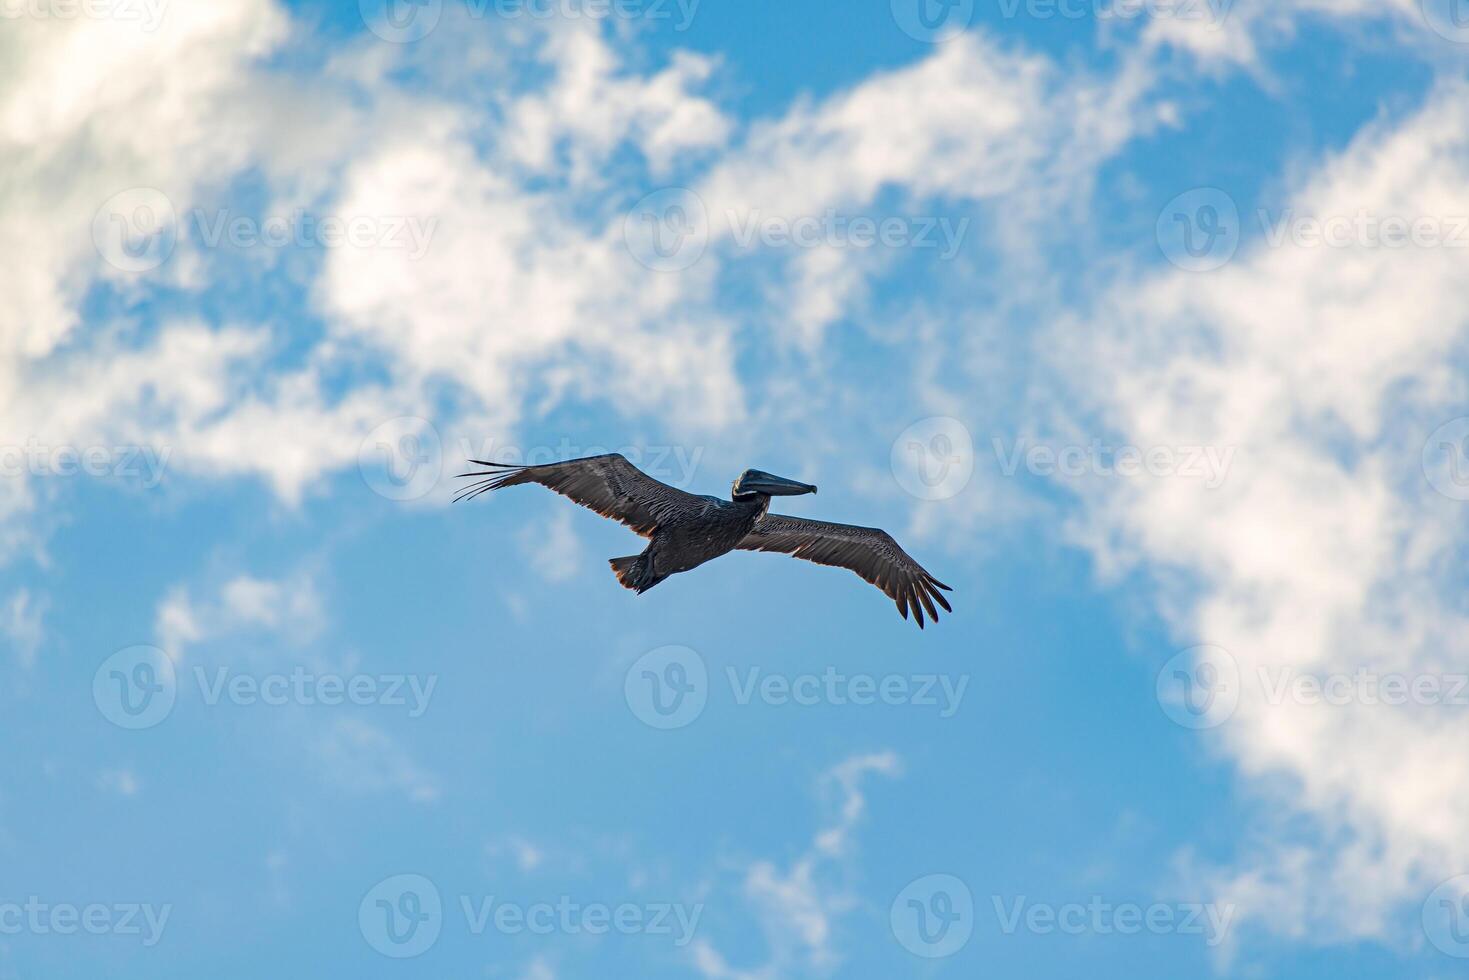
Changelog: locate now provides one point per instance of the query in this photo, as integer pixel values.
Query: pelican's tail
(635, 572)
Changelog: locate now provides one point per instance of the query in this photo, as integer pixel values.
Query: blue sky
(1152, 350)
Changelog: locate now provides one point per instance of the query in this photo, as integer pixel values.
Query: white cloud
(94, 106)
(539, 968)
(796, 906)
(361, 758)
(972, 123)
(552, 547)
(22, 618)
(290, 608)
(1326, 367)
(591, 106)
(528, 856)
(1230, 32)
(518, 281)
(1325, 550)
(123, 782)
(526, 289)
(283, 617)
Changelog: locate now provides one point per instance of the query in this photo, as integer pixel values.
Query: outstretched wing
(609, 485)
(870, 552)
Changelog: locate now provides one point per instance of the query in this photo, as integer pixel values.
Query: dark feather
(608, 484)
(870, 552)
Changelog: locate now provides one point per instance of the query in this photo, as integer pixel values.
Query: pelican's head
(754, 482)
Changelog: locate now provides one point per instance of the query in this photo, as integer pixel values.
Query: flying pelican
(686, 530)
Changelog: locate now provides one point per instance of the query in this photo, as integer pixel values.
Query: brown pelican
(687, 530)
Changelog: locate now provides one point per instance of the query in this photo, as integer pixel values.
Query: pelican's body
(685, 530)
(715, 529)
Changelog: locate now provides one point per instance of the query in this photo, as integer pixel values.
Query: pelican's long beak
(775, 486)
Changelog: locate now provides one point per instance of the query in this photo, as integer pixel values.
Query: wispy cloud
(363, 759)
(123, 782)
(1327, 550)
(22, 622)
(552, 547)
(797, 905)
(291, 609)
